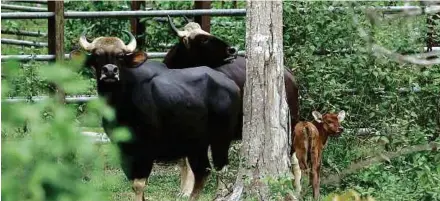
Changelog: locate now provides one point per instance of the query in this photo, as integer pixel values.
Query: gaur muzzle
(109, 73)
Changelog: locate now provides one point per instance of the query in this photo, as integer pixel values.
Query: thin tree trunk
(265, 146)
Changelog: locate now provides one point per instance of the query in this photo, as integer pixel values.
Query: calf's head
(202, 47)
(107, 55)
(331, 122)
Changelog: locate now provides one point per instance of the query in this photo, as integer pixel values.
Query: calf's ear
(317, 116)
(341, 116)
(137, 58)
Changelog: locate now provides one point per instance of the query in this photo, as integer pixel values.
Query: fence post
(55, 36)
(203, 20)
(137, 27)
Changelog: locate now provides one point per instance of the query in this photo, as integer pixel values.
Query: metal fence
(58, 27)
(55, 15)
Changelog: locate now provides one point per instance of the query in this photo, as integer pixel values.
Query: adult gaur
(196, 47)
(171, 113)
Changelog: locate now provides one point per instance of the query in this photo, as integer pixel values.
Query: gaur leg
(186, 178)
(221, 185)
(137, 169)
(138, 188)
(220, 159)
(141, 171)
(199, 163)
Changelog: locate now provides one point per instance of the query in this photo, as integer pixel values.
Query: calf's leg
(316, 164)
(186, 178)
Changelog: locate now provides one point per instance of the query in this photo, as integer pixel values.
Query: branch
(414, 59)
(335, 179)
(419, 59)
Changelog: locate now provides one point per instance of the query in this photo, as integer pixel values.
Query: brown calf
(309, 141)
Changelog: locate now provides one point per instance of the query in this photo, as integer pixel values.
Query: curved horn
(84, 43)
(132, 44)
(179, 33)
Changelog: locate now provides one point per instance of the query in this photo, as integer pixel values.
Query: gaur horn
(132, 44)
(84, 43)
(179, 33)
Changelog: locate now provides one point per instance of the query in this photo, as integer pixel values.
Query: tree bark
(265, 145)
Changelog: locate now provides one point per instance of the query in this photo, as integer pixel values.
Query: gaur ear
(341, 116)
(138, 57)
(317, 116)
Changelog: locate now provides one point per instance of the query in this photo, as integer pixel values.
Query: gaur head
(107, 55)
(331, 122)
(202, 47)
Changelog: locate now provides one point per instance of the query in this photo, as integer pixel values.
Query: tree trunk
(265, 146)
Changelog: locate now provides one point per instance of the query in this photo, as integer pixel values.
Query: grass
(164, 181)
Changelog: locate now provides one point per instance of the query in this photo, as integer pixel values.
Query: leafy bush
(50, 160)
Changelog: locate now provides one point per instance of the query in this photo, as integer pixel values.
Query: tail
(310, 144)
(307, 140)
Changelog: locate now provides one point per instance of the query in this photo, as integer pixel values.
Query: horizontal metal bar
(382, 90)
(213, 22)
(38, 57)
(23, 42)
(23, 8)
(26, 15)
(155, 13)
(30, 1)
(69, 99)
(163, 13)
(102, 138)
(97, 138)
(86, 98)
(46, 57)
(387, 9)
(25, 33)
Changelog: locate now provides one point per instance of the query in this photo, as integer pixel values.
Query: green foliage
(349, 195)
(50, 161)
(399, 119)
(102, 26)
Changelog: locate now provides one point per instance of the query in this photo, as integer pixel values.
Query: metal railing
(85, 98)
(198, 12)
(29, 1)
(126, 14)
(130, 14)
(23, 8)
(47, 57)
(25, 33)
(23, 42)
